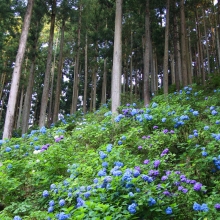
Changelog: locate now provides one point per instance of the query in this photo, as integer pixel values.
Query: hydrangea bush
(160, 161)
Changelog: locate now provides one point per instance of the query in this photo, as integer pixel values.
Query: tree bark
(104, 82)
(183, 44)
(44, 99)
(86, 77)
(117, 59)
(177, 59)
(76, 70)
(166, 53)
(20, 109)
(147, 55)
(59, 75)
(9, 119)
(28, 96)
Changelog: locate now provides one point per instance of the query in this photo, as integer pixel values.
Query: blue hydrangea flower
(7, 149)
(131, 194)
(204, 207)
(102, 173)
(53, 186)
(195, 113)
(196, 206)
(118, 163)
(62, 202)
(163, 119)
(214, 112)
(51, 203)
(132, 208)
(109, 148)
(120, 142)
(206, 128)
(102, 155)
(154, 105)
(62, 216)
(204, 153)
(45, 193)
(50, 209)
(80, 202)
(87, 194)
(105, 164)
(151, 201)
(169, 211)
(136, 173)
(17, 218)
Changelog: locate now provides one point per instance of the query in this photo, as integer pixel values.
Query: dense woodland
(80, 54)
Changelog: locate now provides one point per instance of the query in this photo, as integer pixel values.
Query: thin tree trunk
(28, 96)
(59, 75)
(86, 77)
(117, 59)
(166, 54)
(189, 63)
(207, 43)
(2, 84)
(94, 90)
(131, 69)
(50, 113)
(9, 119)
(172, 68)
(104, 82)
(147, 55)
(20, 108)
(177, 59)
(44, 99)
(183, 44)
(76, 75)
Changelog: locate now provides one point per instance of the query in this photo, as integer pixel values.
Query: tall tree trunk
(104, 82)
(166, 53)
(179, 60)
(59, 75)
(183, 44)
(20, 108)
(147, 55)
(200, 51)
(207, 43)
(28, 96)
(117, 59)
(51, 90)
(86, 77)
(189, 63)
(172, 68)
(176, 52)
(76, 75)
(44, 99)
(9, 119)
(131, 68)
(94, 90)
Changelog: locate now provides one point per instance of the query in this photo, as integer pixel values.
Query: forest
(109, 110)
(68, 63)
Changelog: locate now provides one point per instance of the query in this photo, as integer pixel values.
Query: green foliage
(137, 165)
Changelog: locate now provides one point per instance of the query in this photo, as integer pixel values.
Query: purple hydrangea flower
(165, 151)
(164, 178)
(217, 206)
(197, 186)
(156, 163)
(146, 161)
